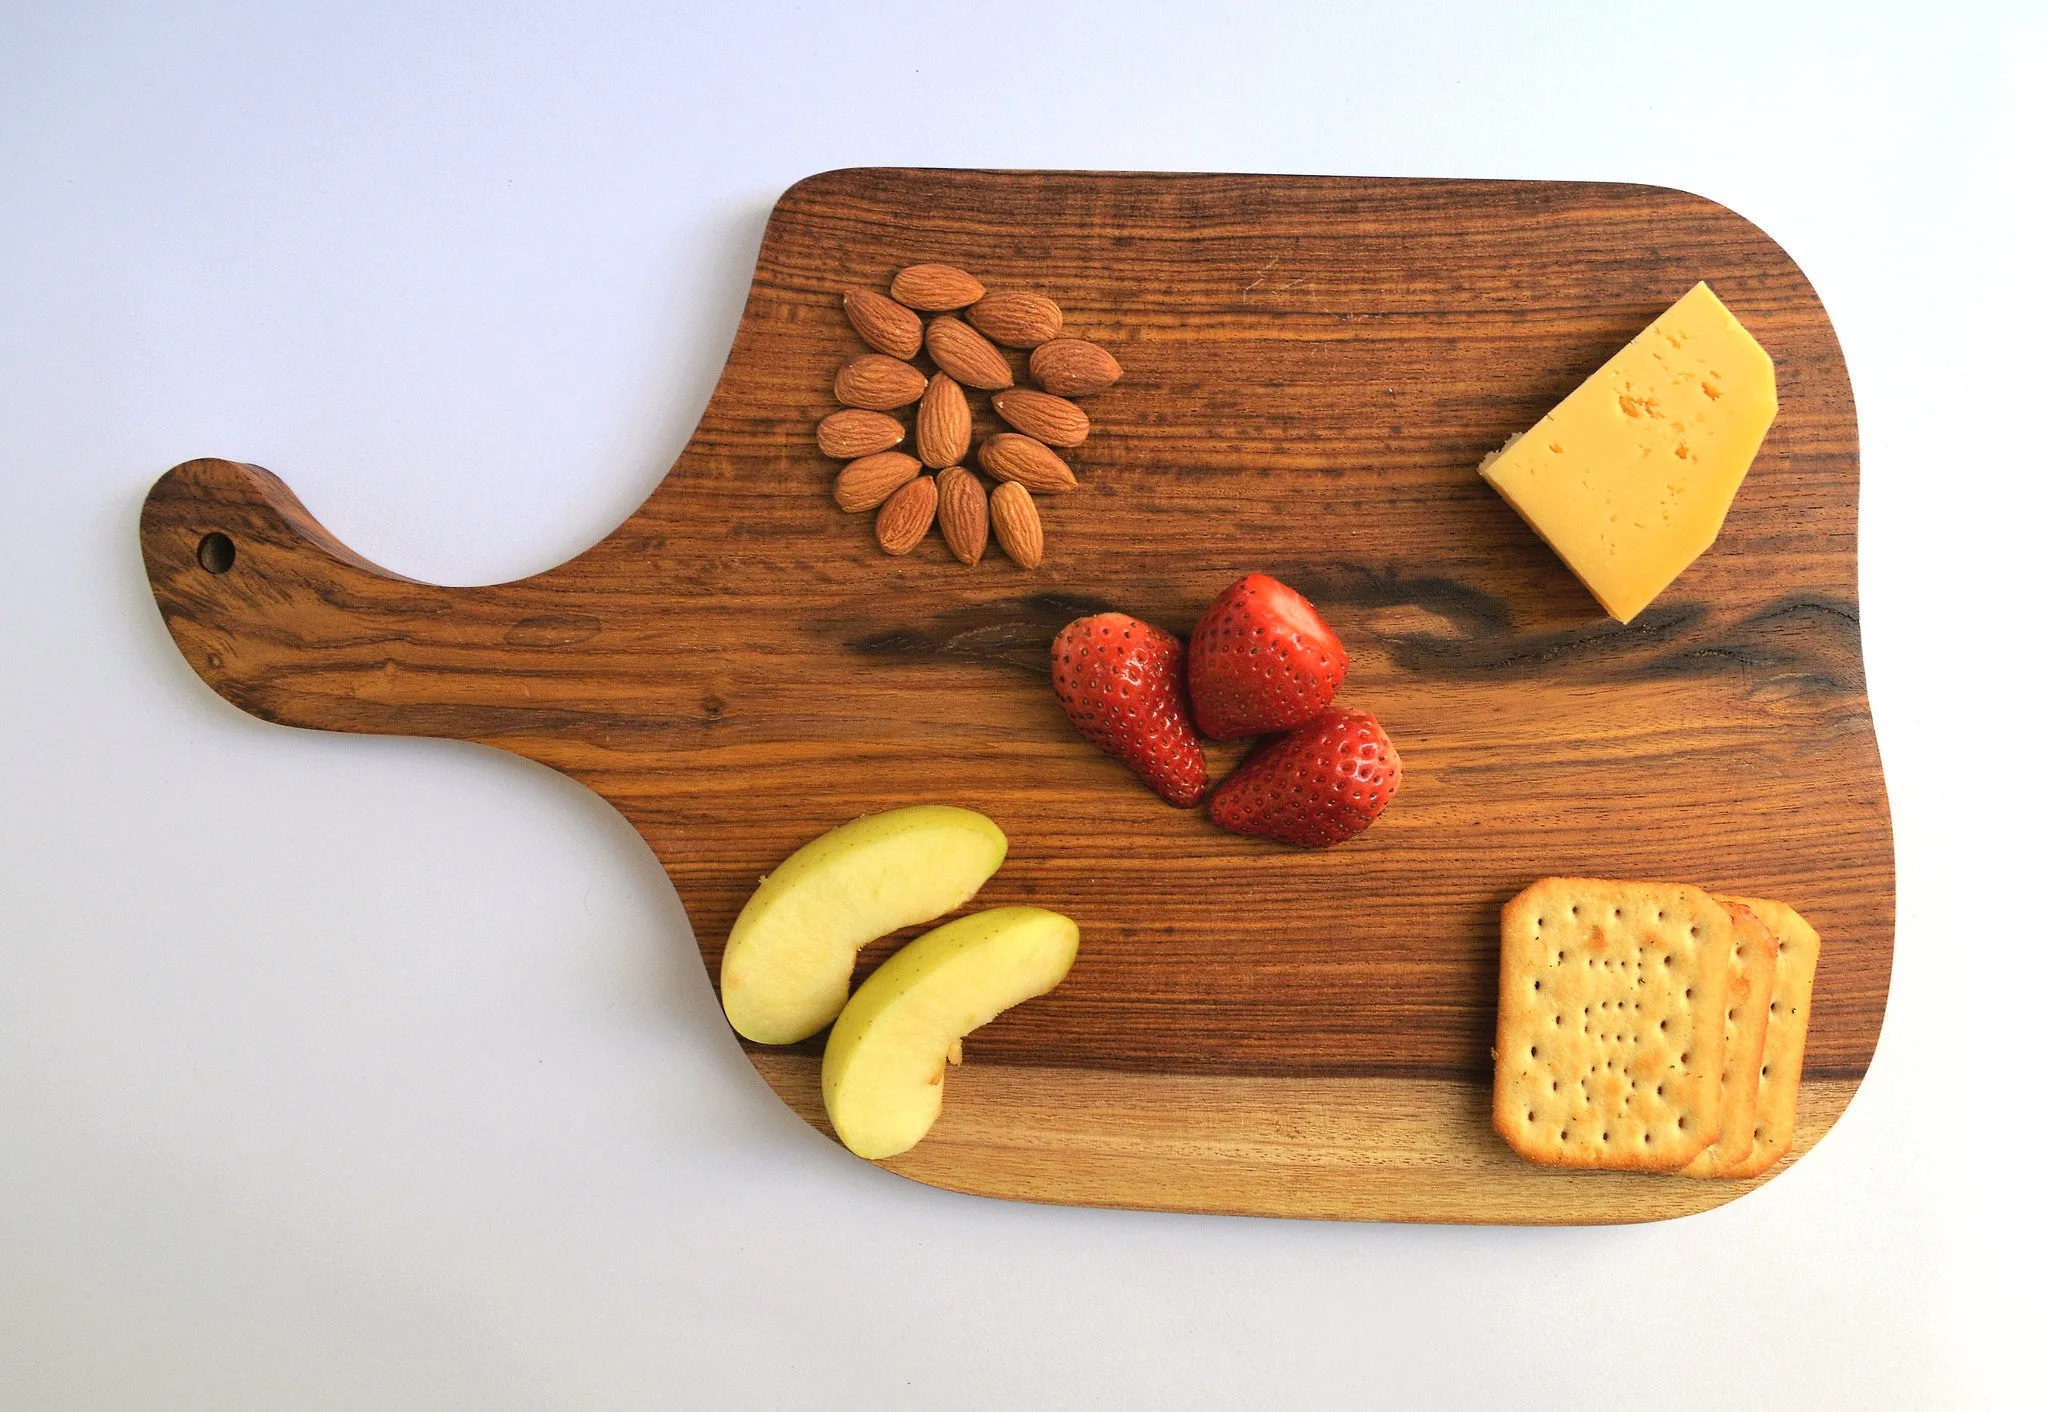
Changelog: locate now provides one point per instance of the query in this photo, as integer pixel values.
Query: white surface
(378, 1073)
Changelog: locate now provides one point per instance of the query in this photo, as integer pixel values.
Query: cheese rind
(1630, 477)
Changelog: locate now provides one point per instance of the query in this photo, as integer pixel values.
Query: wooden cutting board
(1314, 367)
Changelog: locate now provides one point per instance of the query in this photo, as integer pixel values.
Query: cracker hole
(1692, 931)
(1681, 1122)
(1764, 1072)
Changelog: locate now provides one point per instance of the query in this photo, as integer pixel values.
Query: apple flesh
(885, 1064)
(789, 958)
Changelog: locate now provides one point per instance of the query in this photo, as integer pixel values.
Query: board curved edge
(1339, 1149)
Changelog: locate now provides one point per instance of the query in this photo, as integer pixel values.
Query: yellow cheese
(1629, 478)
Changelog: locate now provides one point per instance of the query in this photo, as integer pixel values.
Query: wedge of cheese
(1629, 478)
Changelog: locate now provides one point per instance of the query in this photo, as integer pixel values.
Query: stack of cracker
(1650, 1027)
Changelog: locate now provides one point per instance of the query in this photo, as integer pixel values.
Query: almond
(1073, 367)
(845, 435)
(878, 382)
(866, 483)
(1053, 420)
(1010, 456)
(885, 325)
(965, 354)
(1015, 520)
(944, 423)
(1016, 320)
(963, 513)
(907, 515)
(935, 288)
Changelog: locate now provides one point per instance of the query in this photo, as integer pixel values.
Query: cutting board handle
(291, 625)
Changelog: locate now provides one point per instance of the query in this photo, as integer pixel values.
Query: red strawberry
(1315, 786)
(1120, 682)
(1261, 660)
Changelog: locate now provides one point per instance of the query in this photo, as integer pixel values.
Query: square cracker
(1777, 1093)
(1752, 964)
(1612, 1023)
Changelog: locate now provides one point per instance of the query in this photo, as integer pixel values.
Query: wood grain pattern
(1406, 1149)
(1312, 369)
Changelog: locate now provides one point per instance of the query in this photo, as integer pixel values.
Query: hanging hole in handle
(216, 552)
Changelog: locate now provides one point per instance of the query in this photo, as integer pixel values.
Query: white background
(382, 1073)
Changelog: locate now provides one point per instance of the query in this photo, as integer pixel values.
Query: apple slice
(790, 955)
(885, 1064)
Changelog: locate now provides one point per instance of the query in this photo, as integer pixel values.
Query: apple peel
(885, 1064)
(789, 957)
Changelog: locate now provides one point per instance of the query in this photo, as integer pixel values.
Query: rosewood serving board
(1313, 369)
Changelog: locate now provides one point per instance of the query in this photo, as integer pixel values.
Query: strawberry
(1315, 786)
(1120, 682)
(1261, 659)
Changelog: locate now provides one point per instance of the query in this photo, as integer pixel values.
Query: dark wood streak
(1313, 366)
(1802, 645)
(1476, 612)
(1014, 632)
(1591, 650)
(1810, 645)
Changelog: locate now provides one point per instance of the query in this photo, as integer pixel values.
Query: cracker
(1777, 1094)
(1752, 963)
(1612, 1023)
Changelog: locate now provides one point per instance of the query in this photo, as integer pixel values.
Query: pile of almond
(961, 343)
